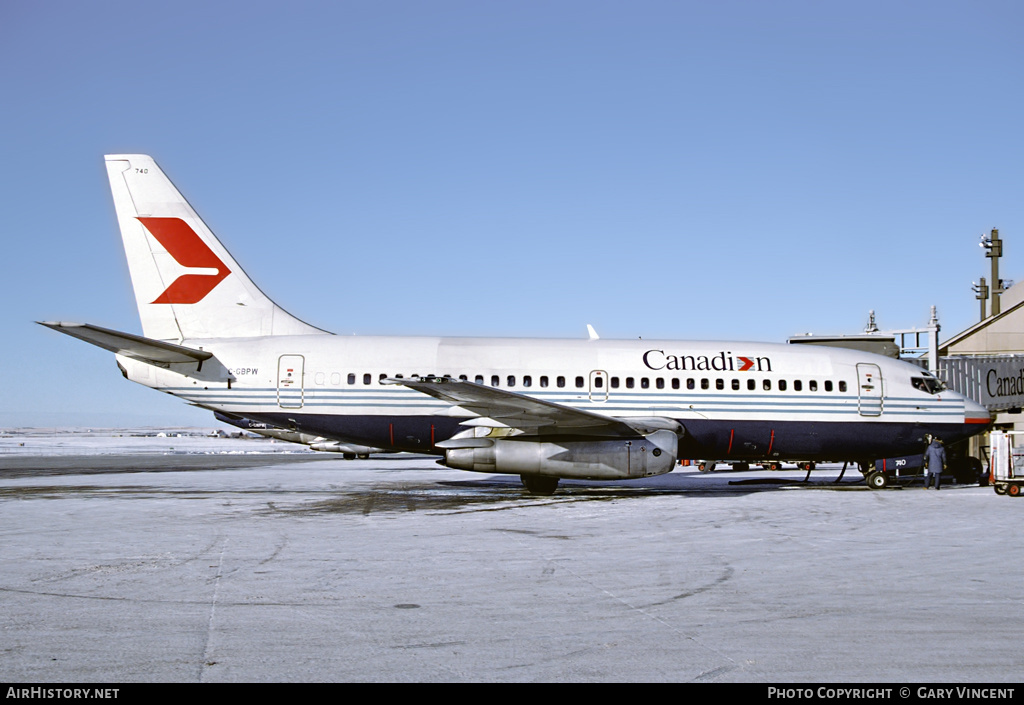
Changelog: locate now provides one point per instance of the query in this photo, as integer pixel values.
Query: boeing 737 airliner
(542, 409)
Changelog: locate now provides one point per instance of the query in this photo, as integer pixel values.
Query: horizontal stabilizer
(155, 352)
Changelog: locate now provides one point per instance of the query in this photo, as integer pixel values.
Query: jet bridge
(994, 381)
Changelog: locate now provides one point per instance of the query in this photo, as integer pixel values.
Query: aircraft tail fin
(186, 283)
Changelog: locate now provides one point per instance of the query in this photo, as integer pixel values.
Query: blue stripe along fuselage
(819, 426)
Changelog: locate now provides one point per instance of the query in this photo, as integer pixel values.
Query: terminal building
(986, 361)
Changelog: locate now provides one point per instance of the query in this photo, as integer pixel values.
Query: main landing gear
(540, 484)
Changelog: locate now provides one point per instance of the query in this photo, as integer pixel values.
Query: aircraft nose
(976, 413)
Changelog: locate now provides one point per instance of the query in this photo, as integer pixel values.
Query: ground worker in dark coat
(934, 463)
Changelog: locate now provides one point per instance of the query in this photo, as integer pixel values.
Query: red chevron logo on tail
(188, 250)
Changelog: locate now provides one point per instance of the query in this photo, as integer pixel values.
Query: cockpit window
(930, 385)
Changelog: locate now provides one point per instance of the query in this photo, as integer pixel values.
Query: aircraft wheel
(1013, 490)
(539, 484)
(348, 456)
(363, 456)
(878, 481)
(1000, 489)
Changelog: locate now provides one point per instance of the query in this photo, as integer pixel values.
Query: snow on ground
(81, 441)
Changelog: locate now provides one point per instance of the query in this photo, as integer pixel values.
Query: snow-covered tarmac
(304, 567)
(16, 443)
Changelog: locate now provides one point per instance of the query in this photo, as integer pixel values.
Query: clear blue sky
(733, 170)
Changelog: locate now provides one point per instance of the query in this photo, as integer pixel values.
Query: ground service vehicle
(906, 469)
(1007, 462)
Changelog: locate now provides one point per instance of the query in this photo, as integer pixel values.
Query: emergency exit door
(289, 381)
(869, 389)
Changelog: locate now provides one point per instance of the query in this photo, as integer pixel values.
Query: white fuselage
(735, 399)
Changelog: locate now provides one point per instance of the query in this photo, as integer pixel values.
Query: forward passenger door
(869, 388)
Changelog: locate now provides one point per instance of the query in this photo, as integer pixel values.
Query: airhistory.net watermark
(62, 693)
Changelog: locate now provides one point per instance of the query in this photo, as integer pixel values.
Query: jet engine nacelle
(325, 446)
(653, 454)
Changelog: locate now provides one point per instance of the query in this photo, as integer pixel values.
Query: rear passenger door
(289, 381)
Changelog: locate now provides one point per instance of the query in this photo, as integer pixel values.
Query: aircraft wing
(518, 411)
(155, 352)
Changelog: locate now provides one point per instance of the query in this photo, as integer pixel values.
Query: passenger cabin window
(367, 378)
(579, 383)
(511, 380)
(479, 379)
(598, 382)
(828, 385)
(782, 385)
(735, 384)
(813, 385)
(645, 383)
(527, 381)
(615, 382)
(842, 386)
(495, 380)
(629, 382)
(797, 385)
(751, 385)
(351, 378)
(543, 381)
(560, 381)
(675, 383)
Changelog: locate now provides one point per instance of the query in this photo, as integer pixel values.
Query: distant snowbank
(83, 441)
